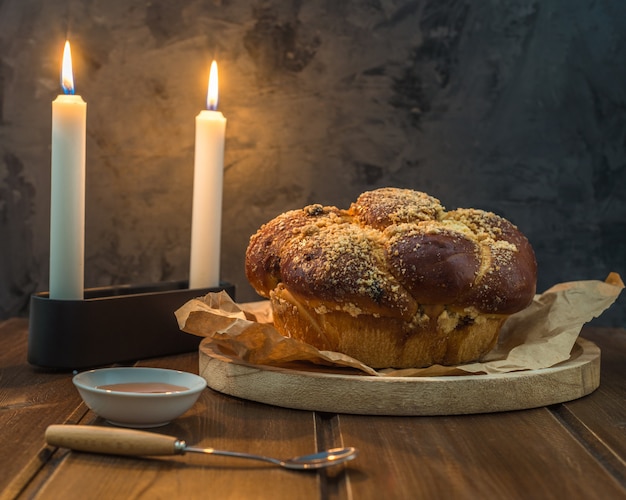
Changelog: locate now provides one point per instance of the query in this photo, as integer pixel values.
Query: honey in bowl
(144, 387)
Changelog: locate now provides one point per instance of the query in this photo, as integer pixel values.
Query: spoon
(130, 442)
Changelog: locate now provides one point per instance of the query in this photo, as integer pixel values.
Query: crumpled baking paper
(540, 336)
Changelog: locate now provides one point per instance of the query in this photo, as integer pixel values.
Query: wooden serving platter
(368, 395)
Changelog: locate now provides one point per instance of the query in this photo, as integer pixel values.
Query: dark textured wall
(515, 106)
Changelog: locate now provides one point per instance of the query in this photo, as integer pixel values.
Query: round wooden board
(367, 395)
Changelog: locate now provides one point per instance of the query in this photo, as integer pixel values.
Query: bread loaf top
(392, 251)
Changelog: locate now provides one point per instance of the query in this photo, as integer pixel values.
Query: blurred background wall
(513, 106)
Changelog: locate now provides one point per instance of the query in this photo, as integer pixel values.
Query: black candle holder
(111, 325)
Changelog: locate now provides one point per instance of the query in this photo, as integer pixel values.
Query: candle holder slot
(114, 324)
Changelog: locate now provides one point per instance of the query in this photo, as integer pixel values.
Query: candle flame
(211, 97)
(67, 76)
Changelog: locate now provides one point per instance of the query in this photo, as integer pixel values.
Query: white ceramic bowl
(132, 406)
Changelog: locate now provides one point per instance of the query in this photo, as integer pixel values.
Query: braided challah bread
(395, 281)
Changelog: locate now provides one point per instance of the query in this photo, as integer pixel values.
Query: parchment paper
(540, 336)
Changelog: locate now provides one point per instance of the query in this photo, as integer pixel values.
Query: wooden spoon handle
(113, 441)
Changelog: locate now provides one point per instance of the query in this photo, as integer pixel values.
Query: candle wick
(67, 90)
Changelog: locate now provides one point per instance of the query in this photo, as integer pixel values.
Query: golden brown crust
(396, 260)
(387, 206)
(437, 264)
(263, 256)
(434, 336)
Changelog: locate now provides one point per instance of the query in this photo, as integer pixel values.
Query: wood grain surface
(30, 400)
(574, 450)
(504, 455)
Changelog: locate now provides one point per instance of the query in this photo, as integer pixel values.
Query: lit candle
(67, 203)
(206, 222)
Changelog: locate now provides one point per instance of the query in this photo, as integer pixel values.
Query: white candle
(206, 222)
(67, 203)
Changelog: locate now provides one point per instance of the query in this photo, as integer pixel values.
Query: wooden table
(570, 451)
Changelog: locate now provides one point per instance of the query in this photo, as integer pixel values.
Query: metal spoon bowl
(129, 442)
